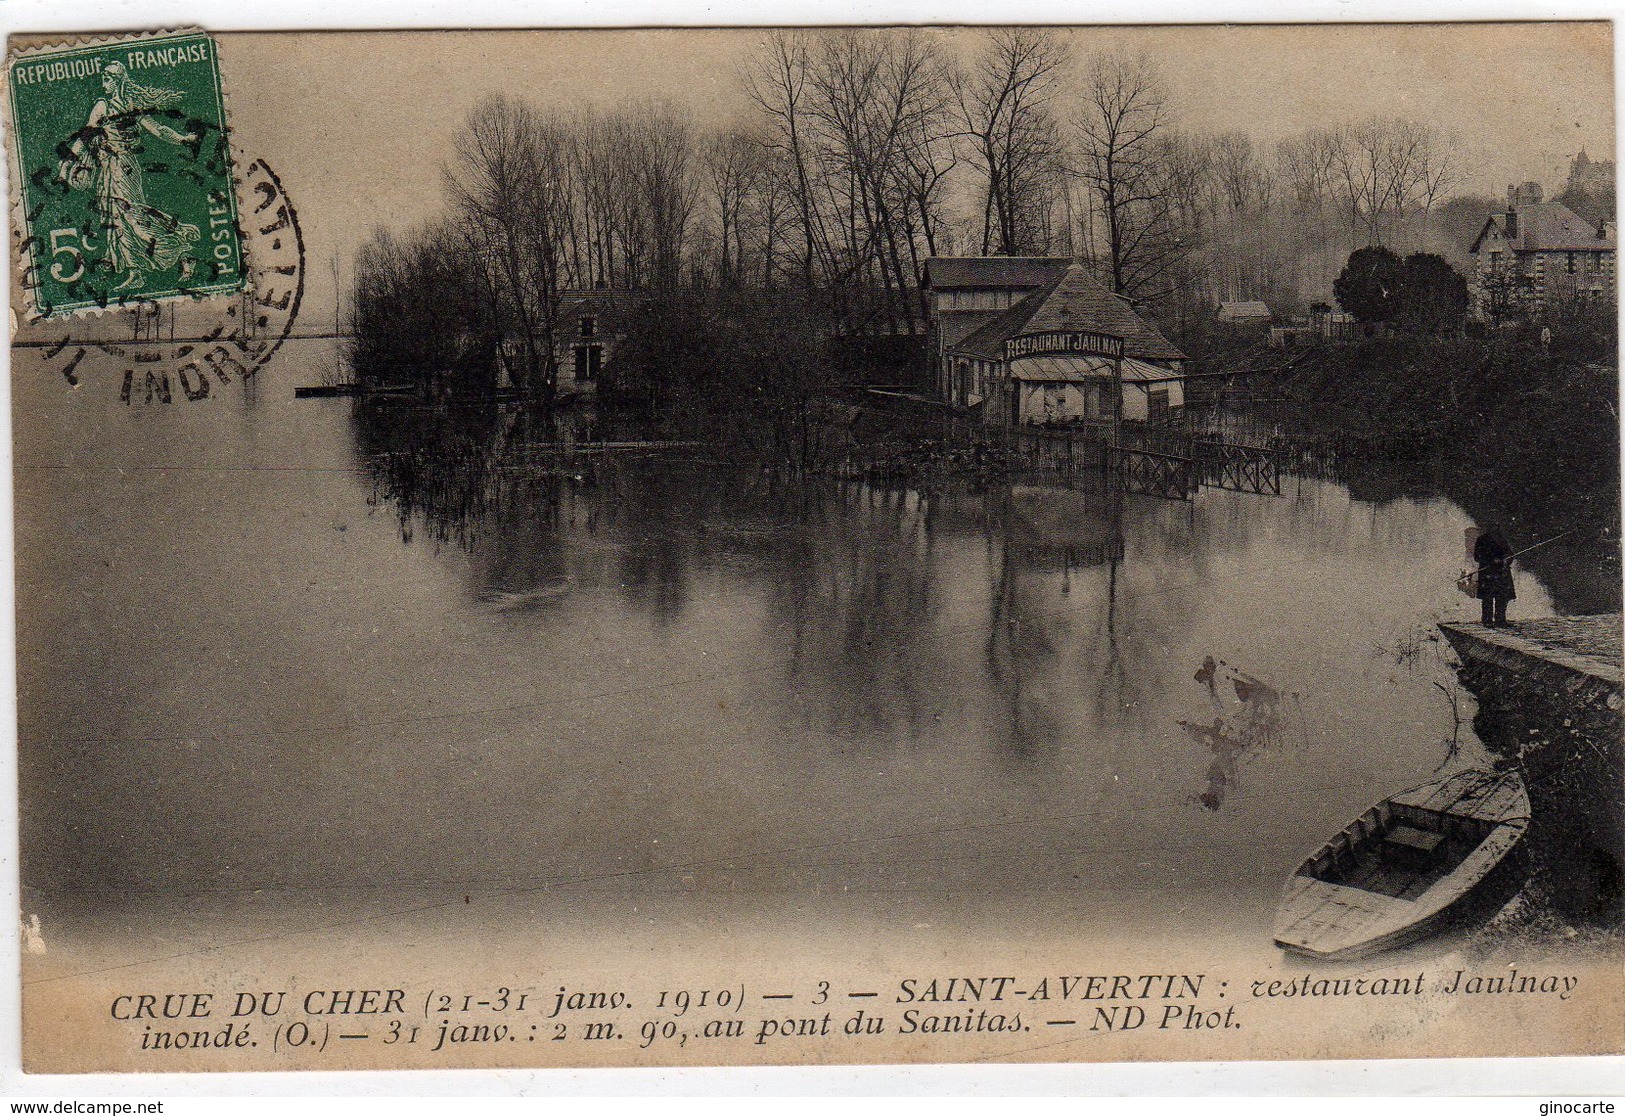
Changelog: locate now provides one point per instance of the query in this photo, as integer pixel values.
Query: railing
(1153, 474)
(1218, 463)
(1166, 461)
(1238, 468)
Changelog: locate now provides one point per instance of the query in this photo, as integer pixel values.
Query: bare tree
(1307, 164)
(778, 82)
(1241, 177)
(1355, 171)
(928, 158)
(880, 103)
(1187, 165)
(854, 140)
(1436, 169)
(857, 131)
(1122, 161)
(734, 166)
(1003, 102)
(601, 171)
(1383, 168)
(511, 186)
(419, 313)
(663, 144)
(774, 207)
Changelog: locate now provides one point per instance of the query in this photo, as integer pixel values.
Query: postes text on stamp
(125, 173)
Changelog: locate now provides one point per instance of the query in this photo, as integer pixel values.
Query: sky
(360, 124)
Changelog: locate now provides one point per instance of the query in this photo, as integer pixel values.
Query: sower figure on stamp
(139, 236)
(1494, 558)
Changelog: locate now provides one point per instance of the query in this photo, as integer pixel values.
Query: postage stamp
(124, 172)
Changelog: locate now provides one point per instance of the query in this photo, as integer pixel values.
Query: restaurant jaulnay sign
(1064, 341)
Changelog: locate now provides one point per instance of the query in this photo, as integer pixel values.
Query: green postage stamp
(123, 163)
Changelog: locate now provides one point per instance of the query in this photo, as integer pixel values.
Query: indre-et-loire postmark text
(125, 173)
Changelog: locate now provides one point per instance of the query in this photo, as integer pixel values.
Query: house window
(589, 326)
(589, 360)
(1100, 401)
(1157, 408)
(1570, 263)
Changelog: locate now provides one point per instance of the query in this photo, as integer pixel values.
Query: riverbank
(1572, 658)
(1511, 405)
(1522, 436)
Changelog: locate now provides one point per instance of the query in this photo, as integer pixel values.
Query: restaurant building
(1068, 353)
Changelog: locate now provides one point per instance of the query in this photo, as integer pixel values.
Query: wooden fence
(1170, 462)
(1149, 473)
(1238, 468)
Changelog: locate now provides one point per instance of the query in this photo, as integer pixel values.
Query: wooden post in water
(1117, 419)
(1117, 401)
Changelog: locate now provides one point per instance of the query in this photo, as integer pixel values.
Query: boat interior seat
(1408, 847)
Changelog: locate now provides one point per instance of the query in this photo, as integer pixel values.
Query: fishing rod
(1538, 545)
(1469, 577)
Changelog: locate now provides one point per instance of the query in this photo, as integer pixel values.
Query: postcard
(816, 546)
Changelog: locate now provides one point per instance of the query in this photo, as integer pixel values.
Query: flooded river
(264, 648)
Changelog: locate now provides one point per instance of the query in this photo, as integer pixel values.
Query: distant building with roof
(1595, 176)
(1549, 250)
(1057, 350)
(1244, 313)
(590, 326)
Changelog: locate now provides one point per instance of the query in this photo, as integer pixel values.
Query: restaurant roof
(1080, 368)
(1074, 300)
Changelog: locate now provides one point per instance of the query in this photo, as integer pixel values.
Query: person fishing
(1495, 589)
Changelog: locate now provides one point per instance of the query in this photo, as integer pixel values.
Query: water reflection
(513, 491)
(541, 662)
(866, 586)
(1568, 490)
(1254, 720)
(873, 594)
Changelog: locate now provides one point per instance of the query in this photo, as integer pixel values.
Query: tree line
(860, 154)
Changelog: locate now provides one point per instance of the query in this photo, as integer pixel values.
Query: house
(1543, 250)
(1244, 313)
(590, 326)
(1057, 356)
(965, 293)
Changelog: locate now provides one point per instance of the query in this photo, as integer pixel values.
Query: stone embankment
(1568, 659)
(1550, 705)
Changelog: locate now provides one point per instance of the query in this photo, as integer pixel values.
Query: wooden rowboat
(1404, 866)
